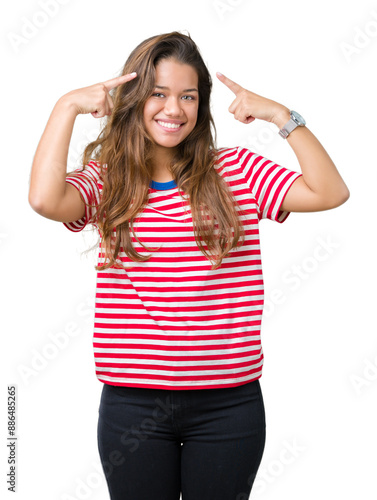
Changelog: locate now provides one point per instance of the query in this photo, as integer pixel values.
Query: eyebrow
(186, 90)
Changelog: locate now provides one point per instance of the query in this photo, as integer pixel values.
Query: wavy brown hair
(124, 150)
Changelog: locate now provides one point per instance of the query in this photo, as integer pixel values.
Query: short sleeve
(87, 182)
(269, 183)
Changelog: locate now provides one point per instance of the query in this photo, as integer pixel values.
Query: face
(171, 112)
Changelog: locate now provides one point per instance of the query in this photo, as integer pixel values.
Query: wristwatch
(296, 121)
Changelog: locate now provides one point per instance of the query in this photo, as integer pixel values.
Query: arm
(49, 194)
(321, 187)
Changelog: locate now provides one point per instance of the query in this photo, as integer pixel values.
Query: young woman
(179, 293)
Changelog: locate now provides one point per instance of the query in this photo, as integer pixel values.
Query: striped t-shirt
(171, 322)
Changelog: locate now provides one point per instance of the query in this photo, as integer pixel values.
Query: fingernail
(133, 74)
(219, 74)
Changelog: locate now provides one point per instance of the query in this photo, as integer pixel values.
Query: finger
(242, 117)
(106, 107)
(234, 105)
(233, 86)
(119, 80)
(99, 113)
(103, 109)
(249, 119)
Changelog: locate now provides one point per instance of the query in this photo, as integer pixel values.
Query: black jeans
(155, 444)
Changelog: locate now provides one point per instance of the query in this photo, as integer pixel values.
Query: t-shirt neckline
(162, 186)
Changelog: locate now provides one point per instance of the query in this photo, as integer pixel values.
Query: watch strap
(288, 128)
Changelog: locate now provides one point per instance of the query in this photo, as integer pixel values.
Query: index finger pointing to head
(233, 86)
(119, 80)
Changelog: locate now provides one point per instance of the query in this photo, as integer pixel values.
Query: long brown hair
(124, 151)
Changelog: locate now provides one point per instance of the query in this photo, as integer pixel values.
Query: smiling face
(171, 112)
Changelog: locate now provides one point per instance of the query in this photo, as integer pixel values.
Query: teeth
(168, 125)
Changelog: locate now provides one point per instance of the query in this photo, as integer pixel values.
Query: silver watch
(296, 121)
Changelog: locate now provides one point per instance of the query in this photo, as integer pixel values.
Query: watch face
(297, 118)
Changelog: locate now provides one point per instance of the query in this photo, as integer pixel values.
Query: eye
(157, 94)
(191, 97)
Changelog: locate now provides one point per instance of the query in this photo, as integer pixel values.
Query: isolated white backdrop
(319, 330)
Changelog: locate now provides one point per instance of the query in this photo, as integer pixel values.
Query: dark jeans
(155, 444)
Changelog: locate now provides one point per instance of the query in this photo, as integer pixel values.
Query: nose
(172, 106)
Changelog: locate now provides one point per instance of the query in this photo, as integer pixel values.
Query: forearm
(318, 170)
(48, 173)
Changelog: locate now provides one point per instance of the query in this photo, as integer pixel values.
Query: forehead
(172, 74)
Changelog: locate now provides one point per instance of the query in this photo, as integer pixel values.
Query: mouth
(169, 126)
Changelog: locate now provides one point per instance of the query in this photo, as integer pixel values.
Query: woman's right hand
(96, 99)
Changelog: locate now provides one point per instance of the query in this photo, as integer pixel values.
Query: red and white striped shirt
(172, 322)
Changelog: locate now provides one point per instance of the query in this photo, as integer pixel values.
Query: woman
(179, 293)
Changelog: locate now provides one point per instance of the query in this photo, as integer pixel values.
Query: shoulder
(94, 171)
(226, 151)
(232, 156)
(96, 166)
(225, 155)
(230, 153)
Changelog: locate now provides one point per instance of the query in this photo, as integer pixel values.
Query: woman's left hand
(248, 106)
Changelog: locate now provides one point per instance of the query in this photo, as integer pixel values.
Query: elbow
(37, 204)
(339, 199)
(345, 196)
(34, 202)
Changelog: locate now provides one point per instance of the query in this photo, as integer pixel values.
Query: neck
(161, 164)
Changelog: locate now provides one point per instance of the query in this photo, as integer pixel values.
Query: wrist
(281, 117)
(67, 104)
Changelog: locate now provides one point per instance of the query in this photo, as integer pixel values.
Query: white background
(320, 375)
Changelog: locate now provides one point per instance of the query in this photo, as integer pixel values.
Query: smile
(169, 126)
